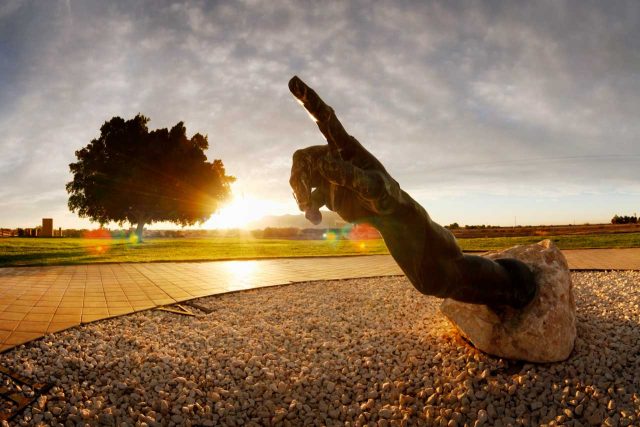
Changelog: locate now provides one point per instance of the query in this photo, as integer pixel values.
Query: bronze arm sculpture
(349, 180)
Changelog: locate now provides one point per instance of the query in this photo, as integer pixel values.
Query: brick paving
(603, 259)
(35, 301)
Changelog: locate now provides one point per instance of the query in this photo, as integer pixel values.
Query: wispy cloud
(491, 98)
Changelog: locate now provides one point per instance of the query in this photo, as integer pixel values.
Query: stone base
(544, 331)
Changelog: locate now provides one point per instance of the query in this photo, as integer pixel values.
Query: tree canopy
(131, 174)
(624, 219)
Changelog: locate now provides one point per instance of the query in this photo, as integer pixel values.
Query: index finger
(325, 117)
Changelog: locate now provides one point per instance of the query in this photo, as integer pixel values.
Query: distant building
(47, 227)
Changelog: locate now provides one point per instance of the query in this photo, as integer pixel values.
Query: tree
(131, 174)
(624, 219)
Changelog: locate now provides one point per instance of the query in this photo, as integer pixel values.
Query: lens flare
(100, 233)
(330, 236)
(98, 248)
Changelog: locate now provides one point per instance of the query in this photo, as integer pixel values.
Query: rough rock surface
(544, 331)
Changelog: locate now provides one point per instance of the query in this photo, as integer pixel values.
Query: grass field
(16, 251)
(574, 241)
(21, 252)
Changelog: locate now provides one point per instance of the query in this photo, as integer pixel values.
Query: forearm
(431, 259)
(425, 251)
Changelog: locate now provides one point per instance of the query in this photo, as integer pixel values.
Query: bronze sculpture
(347, 179)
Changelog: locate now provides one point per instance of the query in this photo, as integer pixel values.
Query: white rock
(544, 331)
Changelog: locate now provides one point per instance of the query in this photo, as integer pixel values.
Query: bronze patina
(348, 179)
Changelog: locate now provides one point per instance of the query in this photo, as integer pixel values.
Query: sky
(485, 112)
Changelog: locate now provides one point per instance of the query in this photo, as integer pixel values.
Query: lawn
(17, 251)
(23, 251)
(573, 241)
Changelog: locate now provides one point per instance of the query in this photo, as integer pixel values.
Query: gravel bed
(353, 352)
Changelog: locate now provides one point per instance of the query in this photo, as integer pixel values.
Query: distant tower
(47, 227)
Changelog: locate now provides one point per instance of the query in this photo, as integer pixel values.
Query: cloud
(454, 98)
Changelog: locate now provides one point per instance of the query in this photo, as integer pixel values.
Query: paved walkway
(603, 259)
(35, 301)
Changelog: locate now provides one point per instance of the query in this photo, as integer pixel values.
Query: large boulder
(544, 331)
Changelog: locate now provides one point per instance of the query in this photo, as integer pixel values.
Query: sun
(239, 212)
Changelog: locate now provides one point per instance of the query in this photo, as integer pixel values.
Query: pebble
(106, 419)
(482, 417)
(353, 352)
(385, 413)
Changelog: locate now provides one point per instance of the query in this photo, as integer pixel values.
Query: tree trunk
(140, 230)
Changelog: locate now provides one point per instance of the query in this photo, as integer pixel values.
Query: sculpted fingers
(376, 190)
(368, 184)
(337, 137)
(344, 163)
(309, 99)
(304, 174)
(301, 178)
(317, 200)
